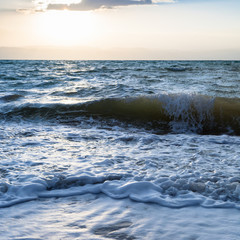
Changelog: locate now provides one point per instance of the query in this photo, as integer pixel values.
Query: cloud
(87, 5)
(31, 6)
(13, 5)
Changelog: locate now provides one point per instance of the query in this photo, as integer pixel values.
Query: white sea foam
(168, 193)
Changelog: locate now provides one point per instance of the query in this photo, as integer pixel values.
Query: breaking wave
(176, 112)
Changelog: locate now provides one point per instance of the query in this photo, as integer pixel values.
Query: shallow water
(163, 134)
(93, 216)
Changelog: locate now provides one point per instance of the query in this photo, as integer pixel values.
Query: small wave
(176, 69)
(178, 112)
(10, 98)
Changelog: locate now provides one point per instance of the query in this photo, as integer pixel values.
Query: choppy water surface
(160, 132)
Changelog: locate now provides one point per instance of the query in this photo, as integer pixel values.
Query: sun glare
(66, 28)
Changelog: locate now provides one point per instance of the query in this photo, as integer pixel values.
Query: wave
(183, 192)
(173, 112)
(12, 97)
(176, 69)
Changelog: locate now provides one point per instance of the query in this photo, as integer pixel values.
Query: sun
(66, 28)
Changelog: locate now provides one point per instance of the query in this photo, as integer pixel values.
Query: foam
(168, 193)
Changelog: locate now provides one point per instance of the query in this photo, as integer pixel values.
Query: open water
(164, 134)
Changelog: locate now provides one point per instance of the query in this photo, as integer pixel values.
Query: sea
(119, 150)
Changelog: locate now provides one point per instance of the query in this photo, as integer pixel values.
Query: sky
(120, 29)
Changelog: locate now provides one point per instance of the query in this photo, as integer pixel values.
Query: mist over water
(162, 132)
